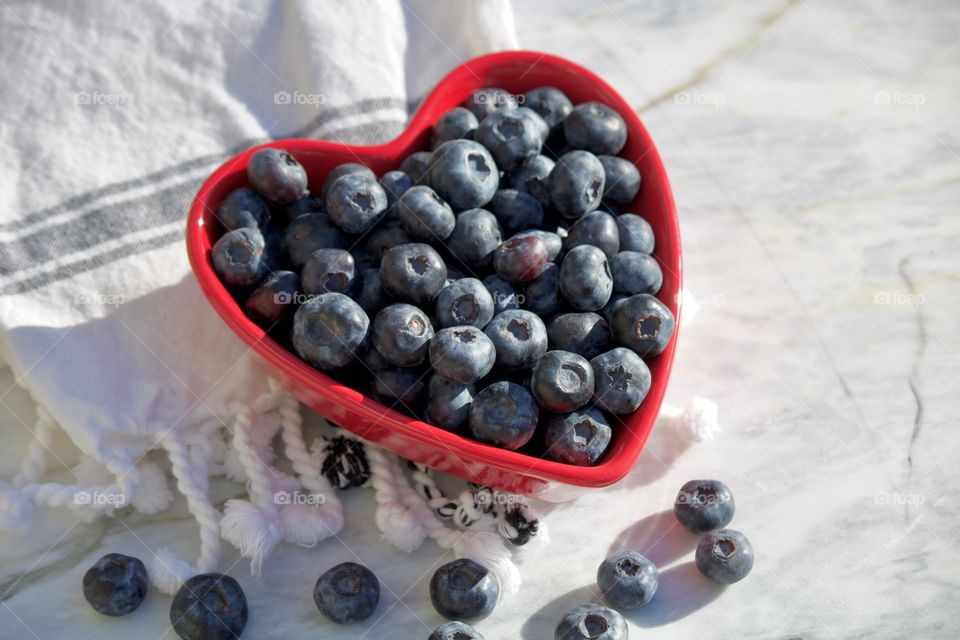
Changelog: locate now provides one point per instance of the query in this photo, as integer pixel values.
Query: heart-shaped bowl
(515, 471)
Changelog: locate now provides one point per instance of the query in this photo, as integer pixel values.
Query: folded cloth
(114, 116)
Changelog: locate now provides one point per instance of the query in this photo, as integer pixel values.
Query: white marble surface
(813, 150)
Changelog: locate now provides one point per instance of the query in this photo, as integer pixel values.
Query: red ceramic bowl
(516, 71)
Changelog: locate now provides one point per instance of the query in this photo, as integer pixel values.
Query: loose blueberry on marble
(274, 301)
(520, 338)
(542, 294)
(724, 556)
(448, 402)
(476, 235)
(576, 183)
(704, 505)
(464, 590)
(417, 166)
(520, 258)
(330, 271)
(349, 592)
(636, 234)
(622, 179)
(642, 323)
(585, 279)
(343, 170)
(486, 101)
(598, 229)
(503, 294)
(457, 123)
(591, 622)
(209, 606)
(395, 184)
(116, 584)
(580, 437)
(635, 272)
(243, 208)
(328, 329)
(277, 175)
(355, 202)
(533, 178)
(309, 232)
(402, 333)
(462, 353)
(511, 138)
(586, 334)
(596, 128)
(240, 257)
(464, 174)
(551, 103)
(456, 630)
(562, 381)
(413, 272)
(516, 210)
(504, 414)
(388, 236)
(464, 301)
(401, 386)
(622, 381)
(627, 580)
(424, 215)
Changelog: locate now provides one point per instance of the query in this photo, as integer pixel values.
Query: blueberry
(239, 257)
(539, 124)
(704, 505)
(591, 622)
(512, 138)
(448, 402)
(585, 279)
(483, 102)
(622, 179)
(475, 237)
(399, 386)
(386, 237)
(598, 229)
(562, 381)
(520, 259)
(464, 301)
(627, 580)
(464, 590)
(209, 606)
(413, 272)
(417, 166)
(642, 323)
(516, 210)
(456, 630)
(310, 232)
(277, 175)
(636, 234)
(724, 556)
(274, 300)
(348, 592)
(343, 170)
(622, 380)
(608, 308)
(243, 208)
(503, 294)
(519, 338)
(303, 205)
(586, 334)
(328, 329)
(330, 271)
(424, 215)
(635, 272)
(453, 125)
(542, 294)
(115, 585)
(355, 202)
(464, 174)
(533, 178)
(402, 332)
(395, 184)
(552, 104)
(463, 354)
(576, 183)
(553, 241)
(596, 128)
(504, 414)
(579, 438)
(373, 360)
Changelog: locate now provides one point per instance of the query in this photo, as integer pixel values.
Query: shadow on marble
(682, 591)
(544, 620)
(659, 537)
(663, 448)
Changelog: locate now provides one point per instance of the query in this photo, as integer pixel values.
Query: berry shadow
(683, 590)
(659, 537)
(663, 448)
(544, 620)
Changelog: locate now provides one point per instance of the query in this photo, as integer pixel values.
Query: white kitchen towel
(112, 117)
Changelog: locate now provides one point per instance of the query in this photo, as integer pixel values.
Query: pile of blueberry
(489, 285)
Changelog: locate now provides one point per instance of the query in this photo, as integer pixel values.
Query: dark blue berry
(303, 205)
(464, 590)
(576, 183)
(539, 124)
(400, 386)
(343, 170)
(516, 210)
(243, 208)
(579, 438)
(115, 585)
(519, 338)
(552, 104)
(330, 271)
(598, 229)
(355, 202)
(622, 182)
(562, 381)
(635, 272)
(642, 323)
(622, 381)
(704, 505)
(533, 178)
(512, 138)
(724, 556)
(417, 166)
(627, 580)
(542, 294)
(608, 308)
(309, 232)
(463, 354)
(328, 329)
(457, 123)
(591, 622)
(636, 234)
(275, 300)
(464, 301)
(504, 414)
(277, 175)
(464, 174)
(483, 102)
(596, 128)
(585, 279)
(413, 272)
(348, 592)
(553, 241)
(520, 258)
(386, 237)
(401, 332)
(424, 215)
(456, 630)
(503, 294)
(395, 184)
(371, 297)
(448, 402)
(239, 257)
(586, 334)
(209, 606)
(475, 237)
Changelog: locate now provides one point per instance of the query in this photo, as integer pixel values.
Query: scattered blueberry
(355, 202)
(627, 580)
(520, 259)
(622, 182)
(542, 294)
(512, 138)
(464, 301)
(519, 337)
(402, 333)
(243, 208)
(635, 233)
(456, 630)
(516, 210)
(504, 414)
(576, 183)
(724, 556)
(448, 402)
(596, 228)
(277, 175)
(585, 279)
(417, 166)
(424, 215)
(503, 294)
(413, 272)
(483, 102)
(464, 174)
(704, 505)
(348, 592)
(330, 271)
(622, 380)
(209, 606)
(274, 300)
(239, 257)
(596, 128)
(476, 235)
(562, 381)
(464, 590)
(116, 584)
(463, 354)
(586, 334)
(328, 329)
(533, 178)
(635, 272)
(395, 184)
(591, 622)
(453, 125)
(552, 104)
(579, 438)
(343, 170)
(642, 323)
(309, 232)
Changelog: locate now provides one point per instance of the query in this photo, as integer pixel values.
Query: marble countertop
(813, 150)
